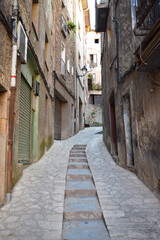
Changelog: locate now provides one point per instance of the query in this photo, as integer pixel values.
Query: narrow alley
(49, 204)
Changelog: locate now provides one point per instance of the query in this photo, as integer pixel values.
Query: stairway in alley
(83, 219)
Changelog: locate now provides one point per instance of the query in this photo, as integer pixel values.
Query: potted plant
(72, 27)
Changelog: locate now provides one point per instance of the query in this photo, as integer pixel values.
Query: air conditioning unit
(22, 42)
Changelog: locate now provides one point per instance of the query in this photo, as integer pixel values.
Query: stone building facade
(130, 76)
(93, 111)
(26, 83)
(38, 88)
(64, 67)
(69, 90)
(82, 20)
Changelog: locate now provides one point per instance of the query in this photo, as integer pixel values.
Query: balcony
(63, 68)
(148, 18)
(102, 9)
(147, 13)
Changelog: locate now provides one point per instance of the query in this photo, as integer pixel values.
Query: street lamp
(84, 71)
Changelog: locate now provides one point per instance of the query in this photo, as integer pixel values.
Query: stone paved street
(130, 210)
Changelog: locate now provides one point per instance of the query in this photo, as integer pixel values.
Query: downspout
(12, 98)
(117, 40)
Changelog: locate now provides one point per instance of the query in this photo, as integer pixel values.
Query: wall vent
(22, 42)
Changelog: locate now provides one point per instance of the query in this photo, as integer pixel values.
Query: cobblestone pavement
(130, 210)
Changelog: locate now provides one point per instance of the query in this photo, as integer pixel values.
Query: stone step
(84, 230)
(78, 159)
(79, 174)
(82, 208)
(80, 146)
(80, 188)
(77, 151)
(77, 155)
(78, 165)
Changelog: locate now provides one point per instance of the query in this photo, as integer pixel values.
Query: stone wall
(142, 93)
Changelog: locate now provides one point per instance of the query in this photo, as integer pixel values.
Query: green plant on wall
(72, 27)
(95, 86)
(90, 75)
(93, 114)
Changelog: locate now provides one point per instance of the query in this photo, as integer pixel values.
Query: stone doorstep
(78, 165)
(85, 229)
(77, 159)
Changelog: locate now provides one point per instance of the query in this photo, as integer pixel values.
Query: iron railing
(147, 13)
(63, 68)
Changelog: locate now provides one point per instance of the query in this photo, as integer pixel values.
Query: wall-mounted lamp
(84, 71)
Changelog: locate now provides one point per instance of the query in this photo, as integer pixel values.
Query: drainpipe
(117, 39)
(12, 98)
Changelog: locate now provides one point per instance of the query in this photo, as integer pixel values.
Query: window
(35, 16)
(93, 60)
(72, 70)
(79, 31)
(64, 26)
(96, 40)
(68, 65)
(79, 60)
(94, 77)
(46, 50)
(63, 59)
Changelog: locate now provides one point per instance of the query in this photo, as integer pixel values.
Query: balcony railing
(63, 68)
(101, 15)
(102, 1)
(147, 13)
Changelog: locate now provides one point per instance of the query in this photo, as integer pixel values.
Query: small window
(96, 40)
(35, 16)
(93, 60)
(64, 26)
(46, 51)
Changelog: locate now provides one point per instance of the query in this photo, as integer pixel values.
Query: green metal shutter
(24, 122)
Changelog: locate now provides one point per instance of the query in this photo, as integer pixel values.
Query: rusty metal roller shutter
(24, 122)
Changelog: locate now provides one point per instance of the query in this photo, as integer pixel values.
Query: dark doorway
(113, 125)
